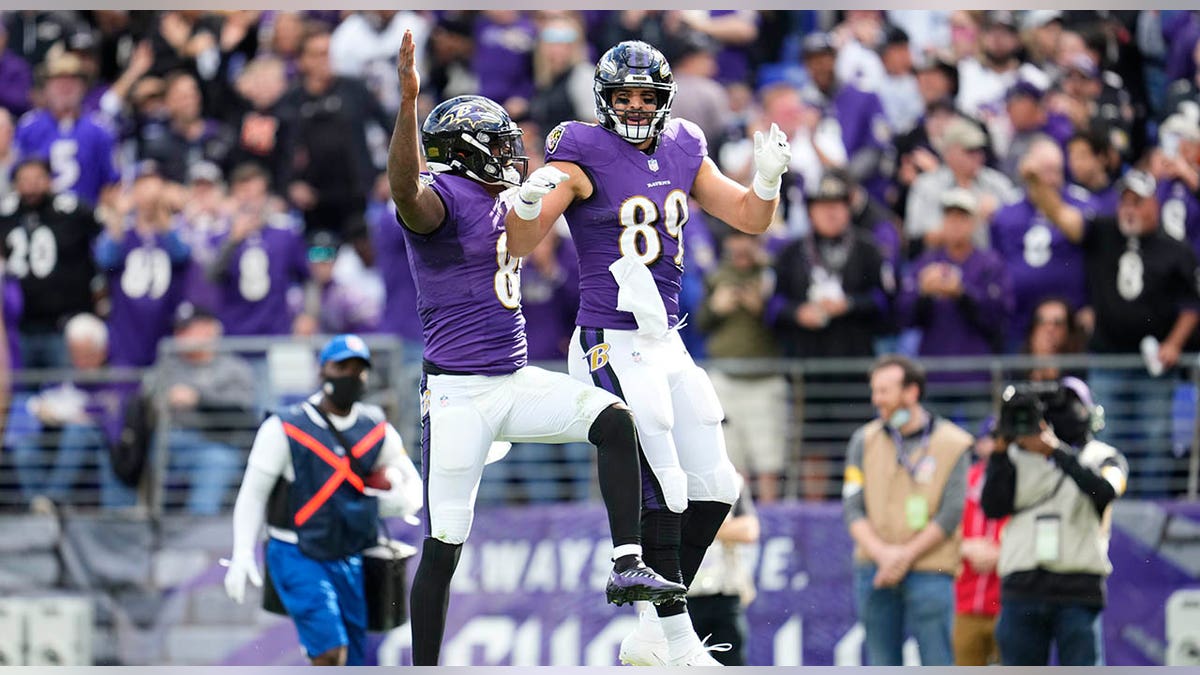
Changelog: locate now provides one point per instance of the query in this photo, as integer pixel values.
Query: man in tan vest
(903, 496)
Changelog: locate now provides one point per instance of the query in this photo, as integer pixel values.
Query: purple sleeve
(562, 144)
(299, 248)
(991, 293)
(108, 253)
(909, 296)
(107, 167)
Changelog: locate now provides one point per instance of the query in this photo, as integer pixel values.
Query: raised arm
(1048, 200)
(419, 207)
(749, 210)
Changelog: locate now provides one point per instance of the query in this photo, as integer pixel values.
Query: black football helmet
(473, 136)
(633, 64)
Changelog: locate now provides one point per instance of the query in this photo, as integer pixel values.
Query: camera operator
(1057, 483)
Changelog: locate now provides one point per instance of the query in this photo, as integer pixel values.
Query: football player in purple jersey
(624, 186)
(477, 387)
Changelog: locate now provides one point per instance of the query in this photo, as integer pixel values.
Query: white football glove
(772, 153)
(403, 499)
(241, 567)
(528, 203)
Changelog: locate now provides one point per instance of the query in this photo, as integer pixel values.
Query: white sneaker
(699, 654)
(639, 650)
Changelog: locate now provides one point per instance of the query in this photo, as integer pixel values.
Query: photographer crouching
(1057, 483)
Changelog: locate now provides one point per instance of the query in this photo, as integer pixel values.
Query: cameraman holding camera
(1057, 483)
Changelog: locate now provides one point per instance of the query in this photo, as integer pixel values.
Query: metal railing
(195, 463)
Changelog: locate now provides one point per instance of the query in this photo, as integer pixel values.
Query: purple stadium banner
(529, 591)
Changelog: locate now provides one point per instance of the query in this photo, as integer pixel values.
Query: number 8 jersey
(638, 207)
(468, 286)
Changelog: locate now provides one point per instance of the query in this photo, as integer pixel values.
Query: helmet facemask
(619, 121)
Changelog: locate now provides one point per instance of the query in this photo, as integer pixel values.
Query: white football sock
(681, 636)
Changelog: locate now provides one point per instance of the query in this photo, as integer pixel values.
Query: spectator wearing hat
(201, 224)
(260, 258)
(1178, 174)
(963, 149)
(977, 587)
(16, 78)
(1027, 119)
(336, 306)
(899, 91)
(1039, 257)
(145, 261)
(78, 147)
(56, 287)
(985, 79)
(1144, 293)
(209, 398)
(1040, 32)
(959, 295)
(829, 295)
(184, 137)
(1092, 95)
(865, 131)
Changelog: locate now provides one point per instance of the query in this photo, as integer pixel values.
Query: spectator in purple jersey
(503, 59)
(334, 306)
(1027, 119)
(184, 137)
(16, 78)
(144, 260)
(1092, 162)
(77, 423)
(1178, 172)
(201, 224)
(864, 127)
(260, 259)
(960, 296)
(1039, 258)
(79, 148)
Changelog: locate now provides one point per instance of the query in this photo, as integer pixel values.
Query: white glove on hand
(528, 203)
(241, 567)
(403, 499)
(772, 153)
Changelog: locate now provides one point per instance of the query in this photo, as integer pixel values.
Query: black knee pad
(613, 425)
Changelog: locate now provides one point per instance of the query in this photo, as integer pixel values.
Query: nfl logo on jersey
(653, 164)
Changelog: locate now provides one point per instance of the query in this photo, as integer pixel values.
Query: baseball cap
(145, 169)
(1036, 18)
(188, 313)
(1139, 183)
(324, 247)
(60, 63)
(1182, 126)
(1000, 17)
(959, 198)
(1084, 64)
(1025, 88)
(344, 347)
(894, 35)
(206, 172)
(831, 188)
(964, 134)
(817, 43)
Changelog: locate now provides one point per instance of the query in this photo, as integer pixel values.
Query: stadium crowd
(196, 173)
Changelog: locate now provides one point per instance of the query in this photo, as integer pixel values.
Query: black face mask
(343, 392)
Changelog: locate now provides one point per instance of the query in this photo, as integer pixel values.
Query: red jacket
(977, 593)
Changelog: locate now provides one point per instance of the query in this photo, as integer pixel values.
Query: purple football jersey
(468, 287)
(203, 235)
(145, 277)
(1180, 215)
(639, 206)
(80, 154)
(264, 268)
(1040, 259)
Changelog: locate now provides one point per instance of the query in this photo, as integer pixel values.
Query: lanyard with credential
(903, 457)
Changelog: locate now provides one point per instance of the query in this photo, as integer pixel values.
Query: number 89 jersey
(638, 207)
